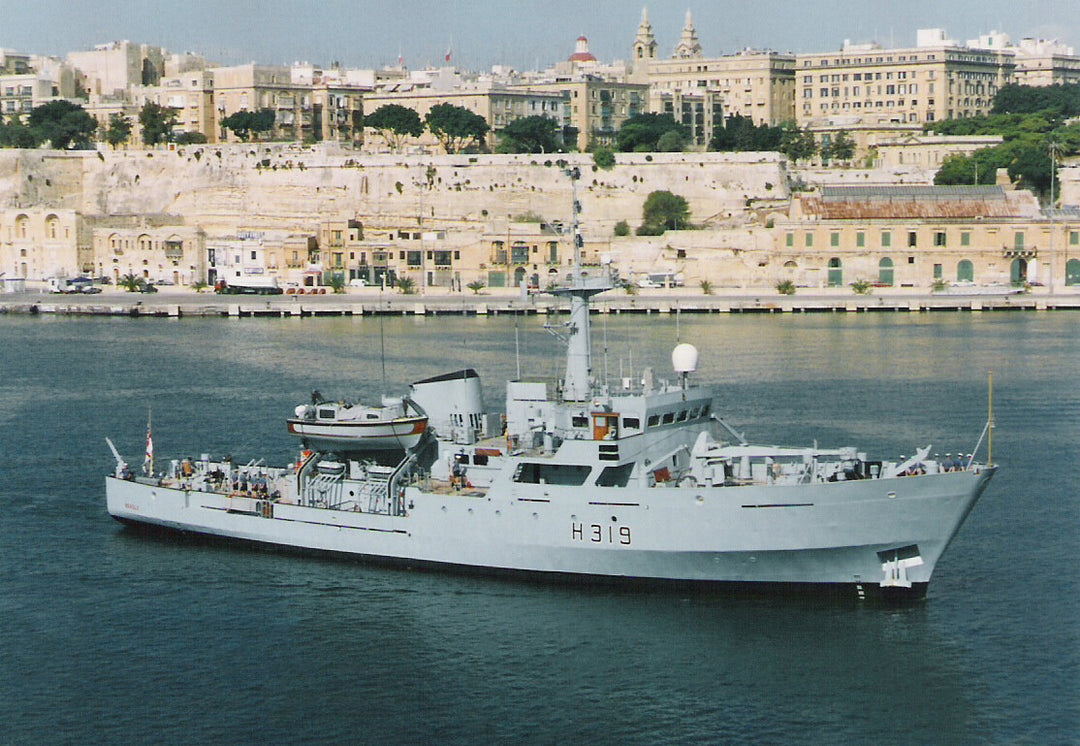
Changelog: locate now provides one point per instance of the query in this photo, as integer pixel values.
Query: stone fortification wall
(294, 188)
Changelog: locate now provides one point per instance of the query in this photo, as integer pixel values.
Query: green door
(1072, 272)
(885, 272)
(1018, 271)
(836, 273)
(965, 271)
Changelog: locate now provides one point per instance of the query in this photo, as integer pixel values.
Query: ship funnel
(684, 358)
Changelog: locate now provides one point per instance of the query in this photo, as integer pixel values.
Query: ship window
(706, 410)
(669, 418)
(479, 460)
(654, 420)
(615, 476)
(462, 458)
(695, 412)
(326, 414)
(579, 421)
(631, 422)
(682, 416)
(372, 416)
(565, 474)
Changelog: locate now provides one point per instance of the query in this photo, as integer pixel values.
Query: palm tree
(131, 282)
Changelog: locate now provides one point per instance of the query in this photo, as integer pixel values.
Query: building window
(965, 238)
(886, 239)
(860, 239)
(789, 240)
(912, 239)
(1074, 238)
(937, 272)
(834, 240)
(939, 238)
(1018, 240)
(809, 240)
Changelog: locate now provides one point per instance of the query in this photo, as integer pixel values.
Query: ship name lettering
(131, 506)
(595, 533)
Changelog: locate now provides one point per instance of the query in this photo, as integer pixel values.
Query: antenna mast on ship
(578, 383)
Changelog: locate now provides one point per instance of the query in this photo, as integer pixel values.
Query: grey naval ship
(645, 484)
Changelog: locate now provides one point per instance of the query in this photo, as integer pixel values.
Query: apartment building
(1044, 62)
(252, 87)
(114, 68)
(191, 95)
(934, 80)
(759, 85)
(595, 107)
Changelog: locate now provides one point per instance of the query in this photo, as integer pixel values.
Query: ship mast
(578, 383)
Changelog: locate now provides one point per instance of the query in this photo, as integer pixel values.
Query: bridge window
(565, 474)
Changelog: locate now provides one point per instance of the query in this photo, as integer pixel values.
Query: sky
(524, 34)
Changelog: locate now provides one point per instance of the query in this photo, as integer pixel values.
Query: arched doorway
(836, 273)
(965, 271)
(1018, 271)
(885, 272)
(1072, 272)
(519, 277)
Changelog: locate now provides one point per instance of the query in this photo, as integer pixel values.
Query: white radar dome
(684, 358)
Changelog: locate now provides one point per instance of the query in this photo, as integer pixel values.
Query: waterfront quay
(178, 303)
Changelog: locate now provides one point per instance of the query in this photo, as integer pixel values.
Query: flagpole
(149, 461)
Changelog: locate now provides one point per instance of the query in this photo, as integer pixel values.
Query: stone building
(909, 236)
(759, 85)
(161, 249)
(595, 107)
(934, 80)
(42, 242)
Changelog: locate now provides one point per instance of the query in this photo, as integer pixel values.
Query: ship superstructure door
(605, 426)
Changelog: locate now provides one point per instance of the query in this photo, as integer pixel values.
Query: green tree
(248, 124)
(739, 133)
(131, 282)
(535, 134)
(455, 127)
(190, 138)
(622, 228)
(63, 125)
(395, 123)
(1063, 100)
(671, 141)
(642, 133)
(157, 123)
(663, 211)
(15, 134)
(604, 158)
(118, 131)
(796, 143)
(262, 121)
(476, 286)
(840, 148)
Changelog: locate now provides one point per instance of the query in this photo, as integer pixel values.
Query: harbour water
(112, 636)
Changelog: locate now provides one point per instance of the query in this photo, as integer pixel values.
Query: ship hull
(877, 537)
